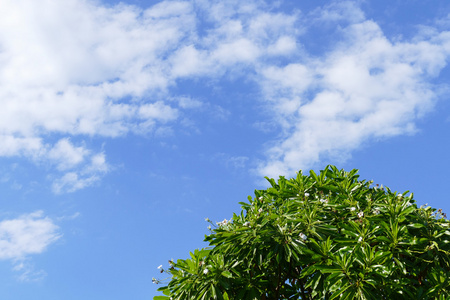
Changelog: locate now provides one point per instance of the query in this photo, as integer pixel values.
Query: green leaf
(328, 269)
(225, 296)
(227, 274)
(416, 225)
(340, 291)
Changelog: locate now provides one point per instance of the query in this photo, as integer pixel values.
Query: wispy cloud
(27, 272)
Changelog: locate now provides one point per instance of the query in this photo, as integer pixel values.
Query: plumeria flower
(205, 271)
(303, 236)
(360, 214)
(224, 222)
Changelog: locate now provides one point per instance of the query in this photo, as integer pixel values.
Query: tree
(325, 236)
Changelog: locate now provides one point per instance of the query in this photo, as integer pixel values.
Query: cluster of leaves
(325, 236)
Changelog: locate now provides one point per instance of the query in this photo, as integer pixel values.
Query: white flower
(360, 214)
(323, 201)
(352, 208)
(207, 220)
(303, 236)
(360, 239)
(205, 271)
(209, 227)
(260, 210)
(224, 222)
(246, 224)
(260, 198)
(160, 267)
(155, 281)
(376, 211)
(400, 196)
(306, 194)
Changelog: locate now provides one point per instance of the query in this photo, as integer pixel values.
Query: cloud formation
(79, 68)
(76, 69)
(22, 237)
(366, 88)
(26, 235)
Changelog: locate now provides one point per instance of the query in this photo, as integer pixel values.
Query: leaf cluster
(320, 236)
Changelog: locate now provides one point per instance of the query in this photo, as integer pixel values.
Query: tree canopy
(320, 236)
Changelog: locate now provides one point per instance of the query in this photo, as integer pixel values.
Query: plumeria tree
(320, 236)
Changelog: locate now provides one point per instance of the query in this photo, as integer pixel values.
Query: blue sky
(123, 125)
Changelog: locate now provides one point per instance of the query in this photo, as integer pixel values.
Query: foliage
(325, 236)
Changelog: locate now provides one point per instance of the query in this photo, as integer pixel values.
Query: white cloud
(157, 111)
(80, 166)
(347, 11)
(366, 88)
(71, 182)
(79, 60)
(77, 68)
(66, 155)
(285, 45)
(188, 61)
(26, 235)
(27, 272)
(238, 51)
(23, 237)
